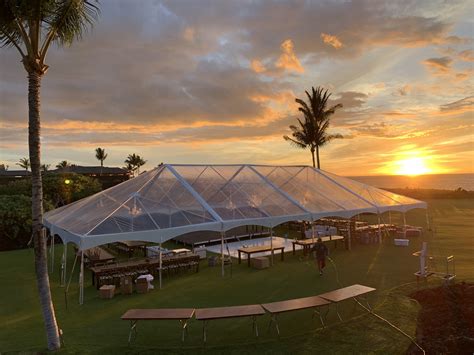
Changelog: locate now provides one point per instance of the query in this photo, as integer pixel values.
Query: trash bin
(212, 260)
(107, 291)
(126, 287)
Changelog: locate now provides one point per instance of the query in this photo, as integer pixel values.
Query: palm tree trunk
(41, 263)
(312, 154)
(317, 156)
(101, 166)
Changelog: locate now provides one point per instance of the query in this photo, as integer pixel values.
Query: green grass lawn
(96, 326)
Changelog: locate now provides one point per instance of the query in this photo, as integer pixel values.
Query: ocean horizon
(433, 181)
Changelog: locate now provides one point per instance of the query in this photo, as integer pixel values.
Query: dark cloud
(350, 99)
(439, 65)
(464, 104)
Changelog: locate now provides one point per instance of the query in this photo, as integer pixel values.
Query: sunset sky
(215, 82)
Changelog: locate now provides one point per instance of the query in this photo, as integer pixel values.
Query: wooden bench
(275, 308)
(350, 292)
(207, 314)
(183, 315)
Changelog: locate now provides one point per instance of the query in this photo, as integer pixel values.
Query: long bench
(207, 314)
(350, 292)
(183, 315)
(274, 309)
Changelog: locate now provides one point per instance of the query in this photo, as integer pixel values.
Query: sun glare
(412, 166)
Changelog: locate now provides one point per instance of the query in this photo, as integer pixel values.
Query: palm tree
(45, 167)
(100, 155)
(24, 163)
(134, 162)
(312, 132)
(31, 27)
(63, 164)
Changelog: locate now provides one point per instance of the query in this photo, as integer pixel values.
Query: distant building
(108, 176)
(14, 174)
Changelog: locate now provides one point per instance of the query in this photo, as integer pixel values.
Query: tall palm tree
(100, 155)
(63, 164)
(312, 132)
(24, 163)
(134, 161)
(31, 26)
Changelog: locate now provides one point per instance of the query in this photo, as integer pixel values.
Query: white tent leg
(51, 261)
(81, 280)
(62, 280)
(312, 231)
(349, 241)
(65, 263)
(161, 262)
(389, 217)
(423, 259)
(380, 229)
(222, 253)
(271, 243)
(404, 226)
(427, 220)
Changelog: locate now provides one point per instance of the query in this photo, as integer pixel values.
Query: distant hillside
(422, 194)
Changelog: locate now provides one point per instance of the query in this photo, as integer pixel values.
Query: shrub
(15, 220)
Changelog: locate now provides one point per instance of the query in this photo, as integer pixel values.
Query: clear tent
(172, 200)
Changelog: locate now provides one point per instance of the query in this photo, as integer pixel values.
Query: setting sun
(412, 166)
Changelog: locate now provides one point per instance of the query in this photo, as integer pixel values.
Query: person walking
(322, 252)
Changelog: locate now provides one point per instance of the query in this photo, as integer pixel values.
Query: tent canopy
(171, 200)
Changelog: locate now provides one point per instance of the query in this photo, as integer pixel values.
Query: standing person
(321, 254)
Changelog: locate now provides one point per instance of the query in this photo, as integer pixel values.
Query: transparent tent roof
(171, 200)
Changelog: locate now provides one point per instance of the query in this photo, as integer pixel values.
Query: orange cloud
(288, 59)
(189, 34)
(331, 40)
(257, 66)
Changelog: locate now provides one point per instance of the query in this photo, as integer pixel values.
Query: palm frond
(67, 21)
(10, 35)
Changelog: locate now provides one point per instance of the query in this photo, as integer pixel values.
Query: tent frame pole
(81, 280)
(63, 266)
(161, 260)
(428, 226)
(349, 241)
(222, 253)
(404, 226)
(379, 229)
(51, 251)
(271, 244)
